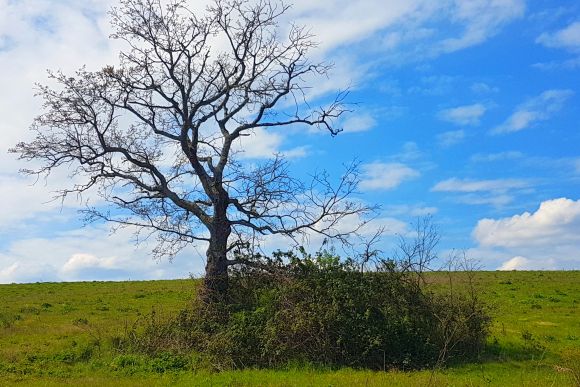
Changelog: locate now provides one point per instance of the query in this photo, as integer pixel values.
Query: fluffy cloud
(263, 143)
(359, 123)
(547, 238)
(463, 115)
(91, 253)
(555, 220)
(78, 262)
(537, 109)
(385, 176)
(516, 263)
(568, 38)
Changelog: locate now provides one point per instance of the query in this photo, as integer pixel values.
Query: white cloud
(463, 115)
(450, 138)
(410, 210)
(494, 192)
(537, 109)
(409, 152)
(312, 241)
(523, 263)
(545, 239)
(482, 19)
(567, 38)
(483, 88)
(493, 199)
(82, 261)
(433, 85)
(25, 271)
(385, 176)
(391, 227)
(567, 64)
(555, 220)
(359, 123)
(345, 22)
(576, 165)
(466, 185)
(262, 143)
(516, 263)
(91, 253)
(490, 157)
(25, 198)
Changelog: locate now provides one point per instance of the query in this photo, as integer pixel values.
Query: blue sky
(466, 110)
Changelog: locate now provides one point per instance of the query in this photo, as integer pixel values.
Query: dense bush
(321, 310)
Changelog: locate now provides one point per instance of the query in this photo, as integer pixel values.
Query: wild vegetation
(69, 333)
(322, 311)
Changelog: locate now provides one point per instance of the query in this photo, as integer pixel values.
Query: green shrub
(323, 311)
(7, 319)
(167, 362)
(126, 361)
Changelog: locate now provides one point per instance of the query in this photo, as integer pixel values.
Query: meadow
(69, 334)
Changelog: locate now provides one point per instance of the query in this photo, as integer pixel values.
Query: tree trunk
(216, 269)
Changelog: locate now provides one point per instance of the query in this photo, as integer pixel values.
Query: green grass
(66, 334)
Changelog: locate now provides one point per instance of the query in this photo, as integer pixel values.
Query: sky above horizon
(465, 110)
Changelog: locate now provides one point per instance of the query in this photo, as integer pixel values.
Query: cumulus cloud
(263, 144)
(557, 219)
(516, 263)
(545, 239)
(385, 176)
(91, 253)
(463, 115)
(82, 261)
(536, 109)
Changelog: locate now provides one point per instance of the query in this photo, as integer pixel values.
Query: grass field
(65, 334)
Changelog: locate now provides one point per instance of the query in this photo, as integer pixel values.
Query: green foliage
(7, 319)
(323, 311)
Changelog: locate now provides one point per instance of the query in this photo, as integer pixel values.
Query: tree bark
(216, 281)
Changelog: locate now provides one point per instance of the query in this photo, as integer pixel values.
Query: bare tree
(416, 255)
(156, 136)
